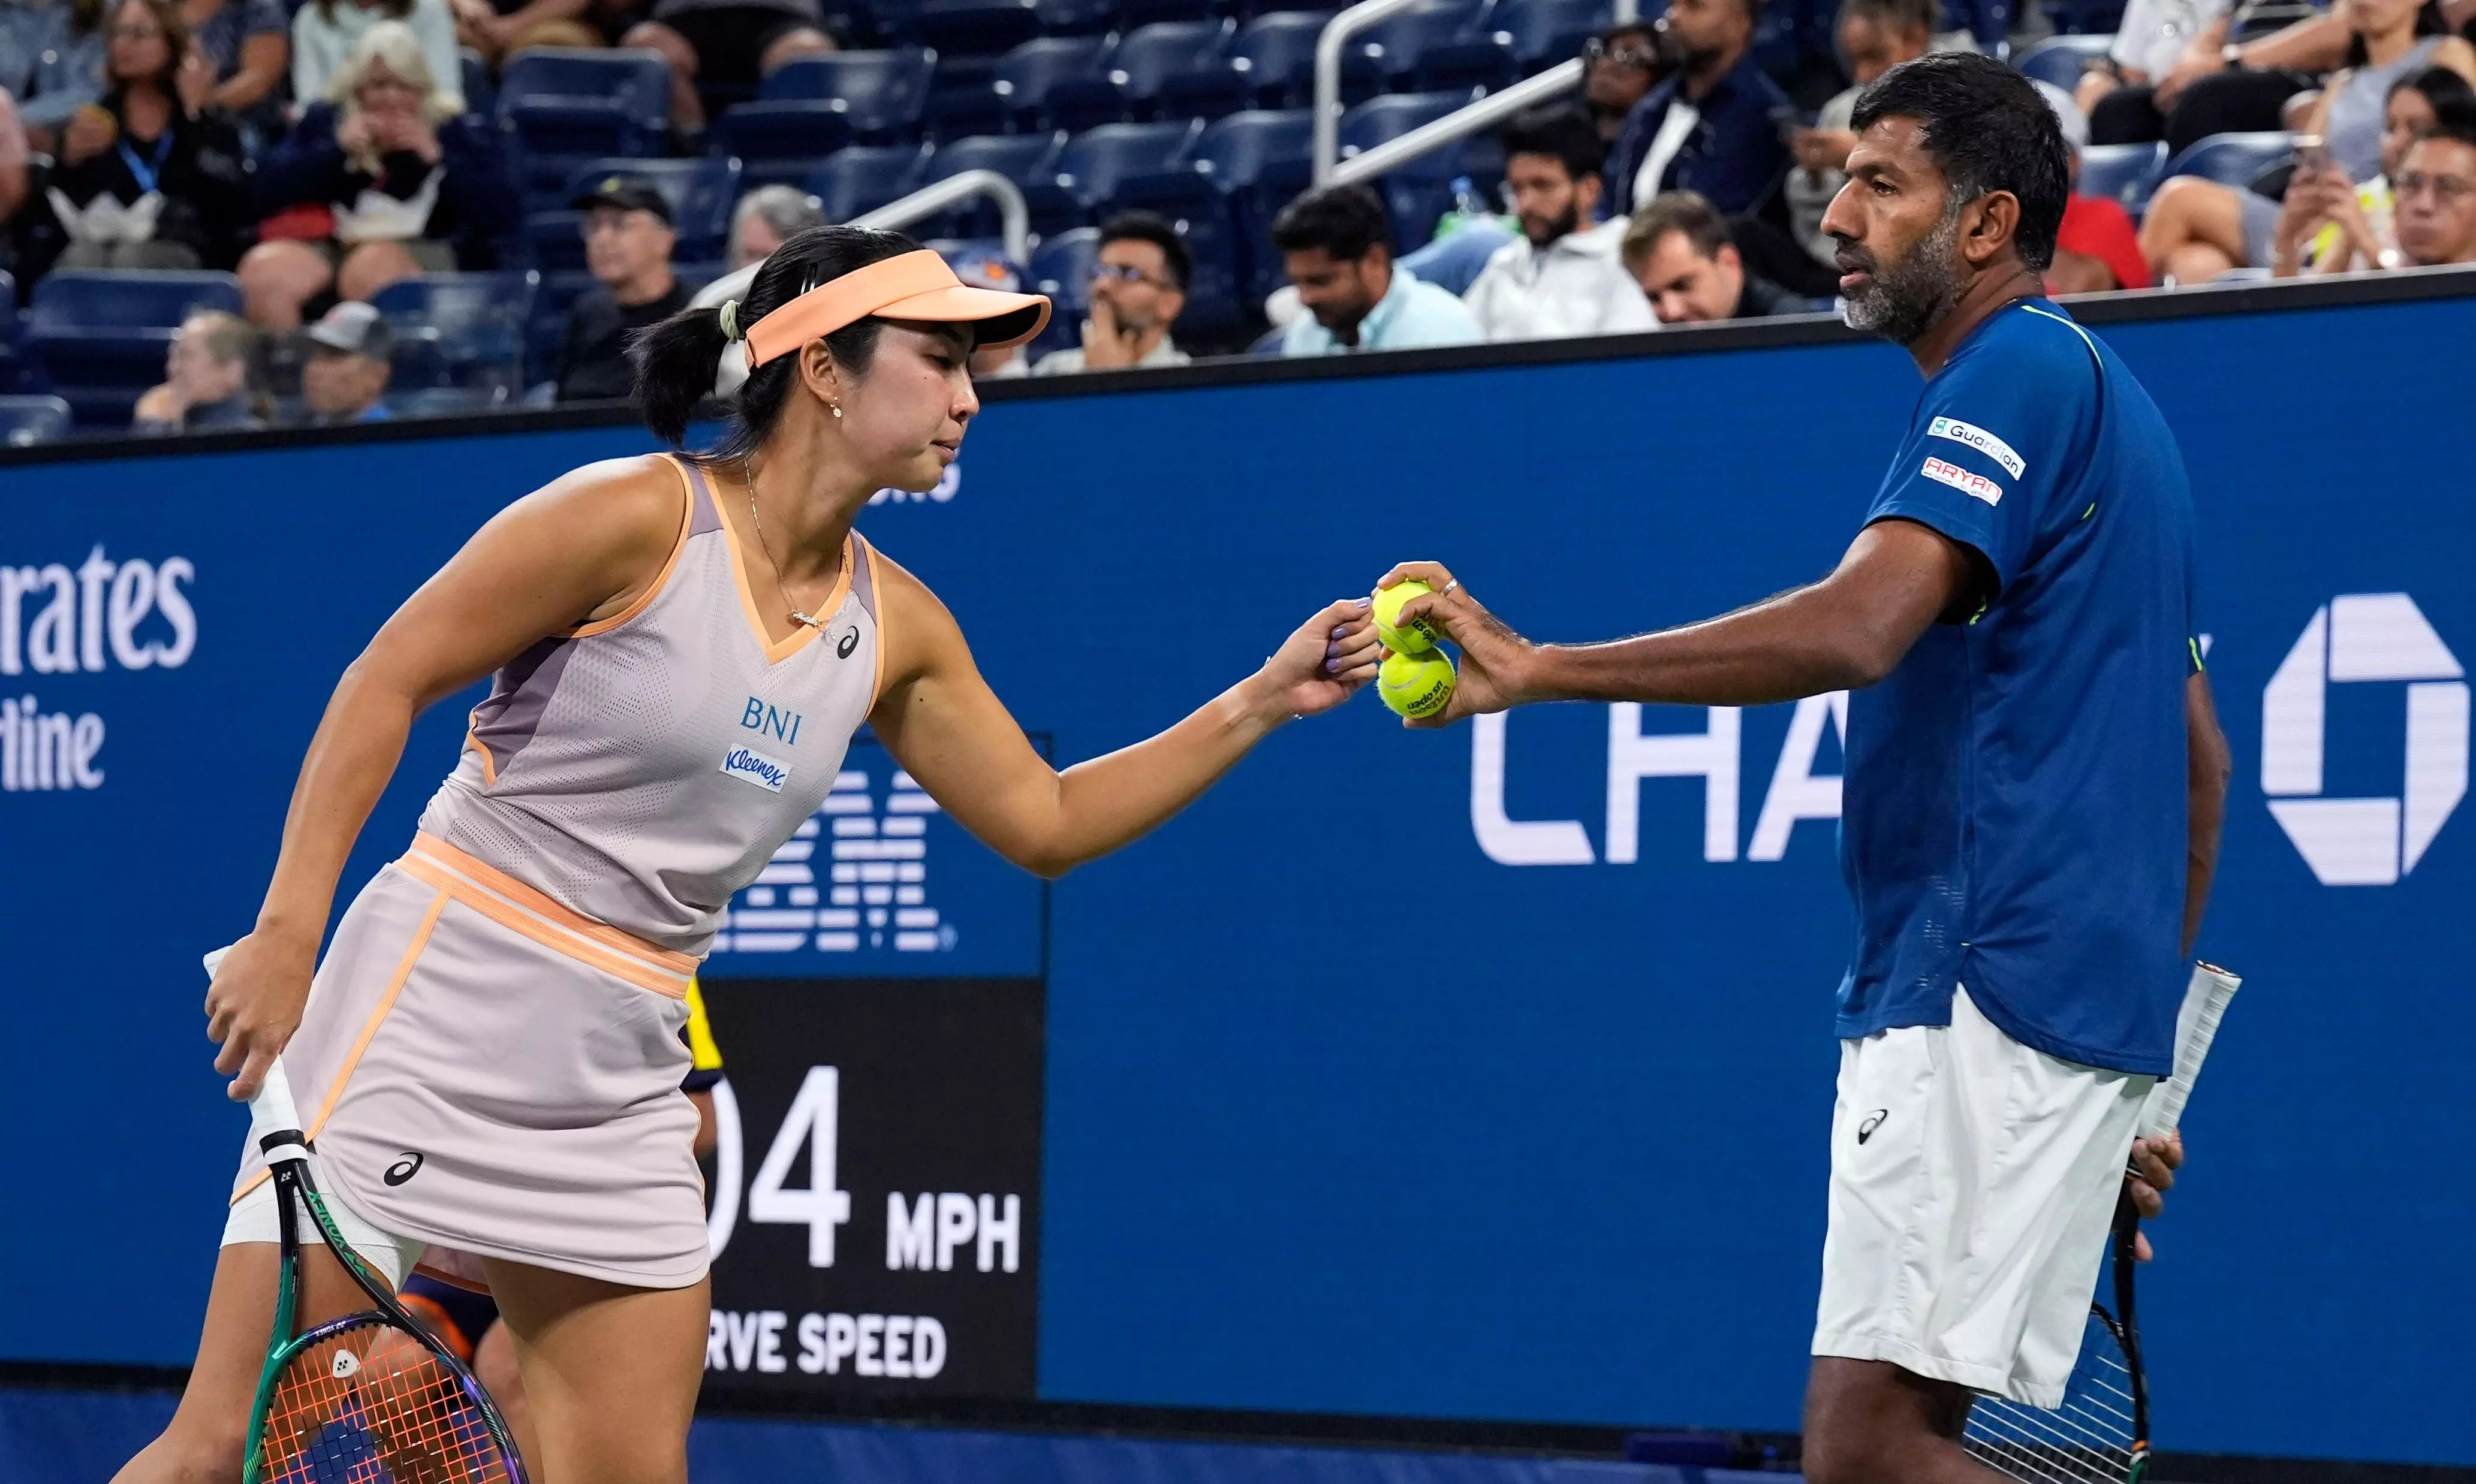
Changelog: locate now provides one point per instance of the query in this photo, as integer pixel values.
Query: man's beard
(1544, 230)
(1903, 302)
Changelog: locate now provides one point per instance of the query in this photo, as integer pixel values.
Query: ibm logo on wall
(2360, 637)
(854, 876)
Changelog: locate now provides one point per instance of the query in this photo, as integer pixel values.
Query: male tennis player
(2034, 784)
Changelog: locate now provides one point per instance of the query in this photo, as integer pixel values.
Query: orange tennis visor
(913, 286)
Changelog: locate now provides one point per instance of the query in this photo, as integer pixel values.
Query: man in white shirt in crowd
(1138, 289)
(1561, 278)
(1336, 245)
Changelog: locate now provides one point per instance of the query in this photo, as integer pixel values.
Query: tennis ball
(1419, 635)
(1415, 686)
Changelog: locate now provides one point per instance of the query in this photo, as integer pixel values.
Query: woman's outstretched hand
(1325, 661)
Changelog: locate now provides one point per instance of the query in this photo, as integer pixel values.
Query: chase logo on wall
(2364, 637)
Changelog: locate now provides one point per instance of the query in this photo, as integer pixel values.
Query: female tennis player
(490, 1056)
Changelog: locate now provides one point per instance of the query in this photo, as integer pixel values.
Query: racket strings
(369, 1404)
(2089, 1440)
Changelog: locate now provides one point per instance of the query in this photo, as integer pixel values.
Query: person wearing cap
(628, 241)
(686, 644)
(351, 351)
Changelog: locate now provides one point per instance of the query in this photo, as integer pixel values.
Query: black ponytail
(675, 360)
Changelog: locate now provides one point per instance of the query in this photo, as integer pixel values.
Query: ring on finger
(1450, 585)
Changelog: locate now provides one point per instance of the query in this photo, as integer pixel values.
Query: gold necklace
(749, 473)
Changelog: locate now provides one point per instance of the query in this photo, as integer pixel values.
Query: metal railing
(1329, 42)
(1014, 216)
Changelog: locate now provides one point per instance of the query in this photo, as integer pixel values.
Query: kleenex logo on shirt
(750, 766)
(1979, 438)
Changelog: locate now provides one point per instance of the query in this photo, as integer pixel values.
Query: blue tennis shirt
(2014, 813)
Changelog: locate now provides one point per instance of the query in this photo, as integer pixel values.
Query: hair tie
(731, 319)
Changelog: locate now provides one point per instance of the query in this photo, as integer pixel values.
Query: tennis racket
(368, 1398)
(2101, 1435)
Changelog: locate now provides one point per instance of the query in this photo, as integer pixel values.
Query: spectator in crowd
(1561, 277)
(56, 63)
(1712, 126)
(2173, 74)
(763, 221)
(1336, 245)
(2331, 225)
(325, 34)
(2437, 197)
(15, 160)
(1139, 283)
(498, 29)
(384, 179)
(1679, 251)
(1875, 35)
(245, 46)
(732, 44)
(2098, 249)
(2198, 228)
(350, 355)
(1619, 65)
(628, 241)
(144, 179)
(210, 379)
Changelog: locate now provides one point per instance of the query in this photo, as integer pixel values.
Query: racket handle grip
(2205, 1002)
(271, 1111)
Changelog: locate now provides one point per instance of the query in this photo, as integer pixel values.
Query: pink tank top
(642, 769)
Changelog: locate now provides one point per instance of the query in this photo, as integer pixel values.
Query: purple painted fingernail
(1339, 630)
(1364, 602)
(1333, 664)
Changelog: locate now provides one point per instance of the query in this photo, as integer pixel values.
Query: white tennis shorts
(254, 1218)
(1974, 1182)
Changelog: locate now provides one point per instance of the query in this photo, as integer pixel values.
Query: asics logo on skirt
(403, 1169)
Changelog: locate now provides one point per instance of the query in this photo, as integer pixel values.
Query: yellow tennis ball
(1415, 686)
(1419, 635)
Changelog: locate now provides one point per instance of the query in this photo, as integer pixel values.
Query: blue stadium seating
(1420, 190)
(1028, 159)
(975, 28)
(33, 419)
(1437, 45)
(857, 180)
(1058, 83)
(562, 106)
(480, 94)
(1078, 17)
(1095, 163)
(555, 240)
(102, 337)
(1132, 13)
(1275, 56)
(2128, 173)
(776, 143)
(1061, 267)
(2061, 60)
(460, 331)
(1149, 56)
(1223, 195)
(446, 400)
(700, 193)
(2232, 158)
(882, 93)
(1542, 33)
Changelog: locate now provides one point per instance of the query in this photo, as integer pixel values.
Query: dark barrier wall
(1473, 1075)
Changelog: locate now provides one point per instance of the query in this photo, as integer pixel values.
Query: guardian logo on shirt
(750, 766)
(1975, 485)
(1979, 438)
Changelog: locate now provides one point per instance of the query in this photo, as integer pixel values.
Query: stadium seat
(1419, 190)
(2126, 173)
(776, 143)
(2232, 158)
(555, 240)
(30, 419)
(1273, 58)
(1057, 83)
(1542, 33)
(1134, 14)
(446, 400)
(975, 28)
(1028, 159)
(882, 92)
(2061, 60)
(1061, 267)
(562, 106)
(103, 336)
(1436, 45)
(1093, 162)
(1149, 56)
(700, 193)
(459, 329)
(857, 180)
(480, 94)
(1078, 17)
(1261, 159)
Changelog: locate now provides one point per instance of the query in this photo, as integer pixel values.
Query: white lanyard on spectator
(1674, 129)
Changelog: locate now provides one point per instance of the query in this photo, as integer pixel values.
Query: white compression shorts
(1973, 1181)
(254, 1219)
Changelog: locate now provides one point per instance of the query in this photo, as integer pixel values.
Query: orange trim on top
(511, 903)
(802, 634)
(876, 586)
(369, 1028)
(662, 578)
(473, 741)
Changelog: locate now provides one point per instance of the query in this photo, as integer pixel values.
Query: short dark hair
(1988, 128)
(1153, 228)
(2456, 124)
(1565, 134)
(1674, 211)
(1345, 221)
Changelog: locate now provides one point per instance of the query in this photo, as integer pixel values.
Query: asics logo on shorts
(1873, 1120)
(403, 1169)
(750, 766)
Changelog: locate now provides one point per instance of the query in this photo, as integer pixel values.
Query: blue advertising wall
(1418, 1074)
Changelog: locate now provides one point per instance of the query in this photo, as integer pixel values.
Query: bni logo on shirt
(1977, 486)
(750, 766)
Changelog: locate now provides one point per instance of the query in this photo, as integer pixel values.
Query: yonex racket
(368, 1398)
(2101, 1432)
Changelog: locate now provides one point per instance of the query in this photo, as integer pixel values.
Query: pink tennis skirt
(495, 1076)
